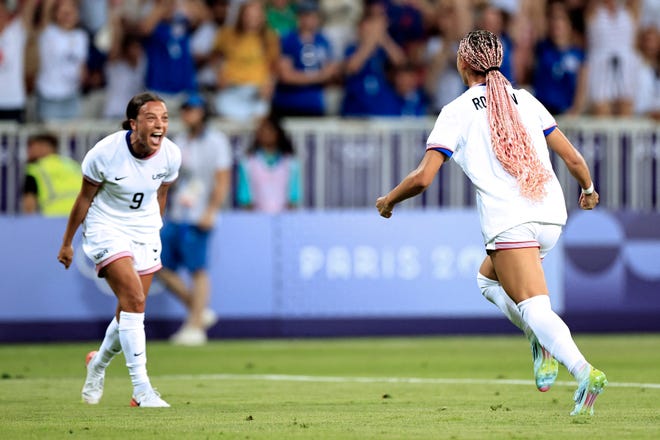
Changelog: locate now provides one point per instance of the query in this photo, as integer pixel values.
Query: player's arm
(161, 195)
(413, 184)
(576, 165)
(77, 215)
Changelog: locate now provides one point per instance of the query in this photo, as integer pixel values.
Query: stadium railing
(347, 163)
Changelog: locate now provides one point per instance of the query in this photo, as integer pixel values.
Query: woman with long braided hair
(500, 137)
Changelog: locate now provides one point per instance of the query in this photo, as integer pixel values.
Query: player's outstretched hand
(589, 201)
(65, 256)
(384, 207)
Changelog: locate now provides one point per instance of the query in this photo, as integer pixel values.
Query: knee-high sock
(109, 348)
(552, 333)
(492, 290)
(133, 342)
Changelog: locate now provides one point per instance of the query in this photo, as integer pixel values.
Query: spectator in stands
(125, 67)
(367, 89)
(306, 66)
(559, 77)
(15, 26)
(647, 90)
(170, 65)
(442, 82)
(63, 50)
(248, 52)
(203, 40)
(410, 95)
(611, 36)
(52, 181)
(269, 176)
(194, 203)
(281, 16)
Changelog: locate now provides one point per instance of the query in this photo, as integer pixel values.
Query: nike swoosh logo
(120, 178)
(138, 354)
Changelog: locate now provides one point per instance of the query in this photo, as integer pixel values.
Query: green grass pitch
(367, 388)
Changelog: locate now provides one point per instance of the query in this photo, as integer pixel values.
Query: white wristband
(589, 190)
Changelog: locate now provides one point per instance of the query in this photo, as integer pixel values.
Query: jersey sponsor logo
(120, 178)
(158, 176)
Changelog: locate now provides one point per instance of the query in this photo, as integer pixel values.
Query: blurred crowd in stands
(70, 59)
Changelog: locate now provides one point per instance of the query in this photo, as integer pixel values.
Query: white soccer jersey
(127, 199)
(462, 131)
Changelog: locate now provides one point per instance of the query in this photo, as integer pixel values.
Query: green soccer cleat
(587, 391)
(546, 366)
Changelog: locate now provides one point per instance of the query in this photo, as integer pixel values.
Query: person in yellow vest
(52, 181)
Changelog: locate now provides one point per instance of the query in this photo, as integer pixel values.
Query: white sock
(492, 290)
(134, 344)
(109, 348)
(552, 333)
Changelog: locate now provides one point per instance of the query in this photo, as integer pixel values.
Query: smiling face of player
(149, 128)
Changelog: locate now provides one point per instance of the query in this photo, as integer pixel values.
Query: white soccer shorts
(104, 247)
(533, 234)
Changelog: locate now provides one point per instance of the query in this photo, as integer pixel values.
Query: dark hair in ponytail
(134, 105)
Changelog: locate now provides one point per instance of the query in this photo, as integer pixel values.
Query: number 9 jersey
(127, 198)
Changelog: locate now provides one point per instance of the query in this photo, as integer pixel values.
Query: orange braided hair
(511, 142)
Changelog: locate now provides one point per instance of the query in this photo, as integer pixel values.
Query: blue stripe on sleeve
(547, 131)
(444, 151)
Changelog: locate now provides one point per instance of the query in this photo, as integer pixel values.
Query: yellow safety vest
(58, 183)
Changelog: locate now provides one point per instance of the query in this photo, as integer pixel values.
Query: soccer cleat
(92, 390)
(587, 391)
(149, 399)
(546, 366)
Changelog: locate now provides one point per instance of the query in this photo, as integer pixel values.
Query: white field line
(412, 380)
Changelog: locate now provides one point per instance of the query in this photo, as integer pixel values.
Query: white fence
(347, 163)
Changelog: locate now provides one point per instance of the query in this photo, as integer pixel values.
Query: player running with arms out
(126, 177)
(500, 138)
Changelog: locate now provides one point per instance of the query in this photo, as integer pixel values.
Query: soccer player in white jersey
(126, 177)
(500, 138)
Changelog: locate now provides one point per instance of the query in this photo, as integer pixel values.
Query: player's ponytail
(511, 142)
